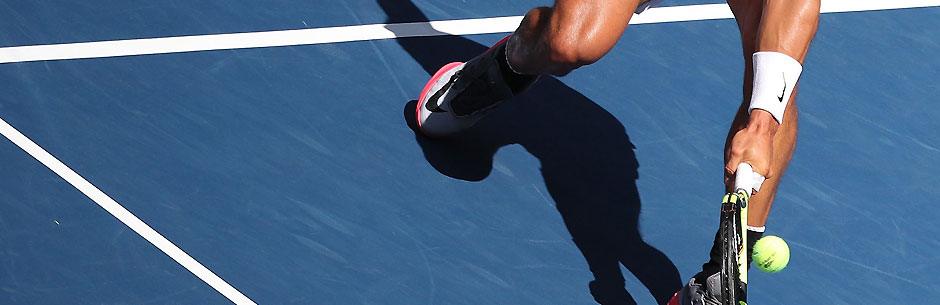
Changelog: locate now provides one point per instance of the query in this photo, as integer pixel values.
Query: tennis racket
(734, 236)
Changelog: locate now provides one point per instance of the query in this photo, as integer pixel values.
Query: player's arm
(783, 36)
(788, 27)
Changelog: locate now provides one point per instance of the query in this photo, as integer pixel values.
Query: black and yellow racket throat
(734, 251)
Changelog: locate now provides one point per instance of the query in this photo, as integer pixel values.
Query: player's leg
(550, 40)
(785, 27)
(573, 33)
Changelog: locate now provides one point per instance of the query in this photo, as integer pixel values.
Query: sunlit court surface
(211, 152)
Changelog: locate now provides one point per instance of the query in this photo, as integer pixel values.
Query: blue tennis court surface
(292, 172)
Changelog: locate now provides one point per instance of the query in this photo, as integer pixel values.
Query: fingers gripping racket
(734, 236)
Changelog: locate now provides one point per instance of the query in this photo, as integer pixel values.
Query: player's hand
(754, 145)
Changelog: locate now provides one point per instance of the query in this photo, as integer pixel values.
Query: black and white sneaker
(699, 292)
(460, 94)
(645, 5)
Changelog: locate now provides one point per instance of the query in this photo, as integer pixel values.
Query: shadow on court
(587, 161)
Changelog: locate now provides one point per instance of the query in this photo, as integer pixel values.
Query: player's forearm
(788, 27)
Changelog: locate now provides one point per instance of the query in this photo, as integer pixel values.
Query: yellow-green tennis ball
(771, 254)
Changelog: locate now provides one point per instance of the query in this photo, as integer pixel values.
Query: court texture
(210, 152)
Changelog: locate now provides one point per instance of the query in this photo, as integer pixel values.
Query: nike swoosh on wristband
(436, 107)
(782, 93)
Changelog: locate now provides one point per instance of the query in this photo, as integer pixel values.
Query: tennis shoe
(460, 94)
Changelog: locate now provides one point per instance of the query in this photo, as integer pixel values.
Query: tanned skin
(573, 33)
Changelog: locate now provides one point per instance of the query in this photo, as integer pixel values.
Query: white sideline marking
(123, 214)
(179, 44)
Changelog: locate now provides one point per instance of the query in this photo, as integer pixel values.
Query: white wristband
(775, 76)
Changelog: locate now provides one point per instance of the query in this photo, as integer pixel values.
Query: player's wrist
(762, 122)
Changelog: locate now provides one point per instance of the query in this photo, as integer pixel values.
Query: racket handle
(746, 179)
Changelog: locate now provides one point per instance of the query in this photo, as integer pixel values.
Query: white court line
(179, 44)
(123, 214)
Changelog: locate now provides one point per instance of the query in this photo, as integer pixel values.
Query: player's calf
(572, 34)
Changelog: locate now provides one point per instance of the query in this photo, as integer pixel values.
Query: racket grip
(746, 179)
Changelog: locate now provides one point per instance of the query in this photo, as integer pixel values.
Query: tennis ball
(771, 254)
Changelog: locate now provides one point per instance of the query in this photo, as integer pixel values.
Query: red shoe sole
(674, 300)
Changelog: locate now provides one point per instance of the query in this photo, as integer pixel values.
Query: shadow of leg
(588, 165)
(654, 270)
